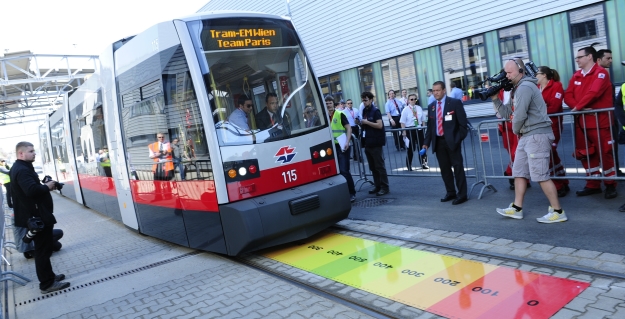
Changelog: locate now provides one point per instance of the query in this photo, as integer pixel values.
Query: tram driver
(269, 116)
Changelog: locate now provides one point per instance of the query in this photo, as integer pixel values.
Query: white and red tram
(236, 187)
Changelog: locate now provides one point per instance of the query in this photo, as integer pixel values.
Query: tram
(150, 138)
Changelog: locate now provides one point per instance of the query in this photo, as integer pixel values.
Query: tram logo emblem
(285, 154)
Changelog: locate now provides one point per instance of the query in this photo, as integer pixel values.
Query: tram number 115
(289, 176)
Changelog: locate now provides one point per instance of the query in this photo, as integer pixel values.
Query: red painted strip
(281, 178)
(187, 195)
(100, 184)
(483, 294)
(541, 298)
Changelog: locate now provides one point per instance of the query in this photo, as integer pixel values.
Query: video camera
(500, 81)
(57, 185)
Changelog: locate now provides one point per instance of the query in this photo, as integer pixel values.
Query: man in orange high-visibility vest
(160, 152)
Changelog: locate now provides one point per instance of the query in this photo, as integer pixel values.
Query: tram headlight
(323, 153)
(242, 171)
(329, 151)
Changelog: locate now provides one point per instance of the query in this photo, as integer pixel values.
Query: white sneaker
(552, 217)
(510, 212)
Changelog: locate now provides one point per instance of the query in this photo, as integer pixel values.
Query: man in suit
(447, 127)
(270, 115)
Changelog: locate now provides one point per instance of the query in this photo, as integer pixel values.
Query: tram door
(45, 153)
(121, 176)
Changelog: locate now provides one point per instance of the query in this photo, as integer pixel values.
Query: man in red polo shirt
(590, 89)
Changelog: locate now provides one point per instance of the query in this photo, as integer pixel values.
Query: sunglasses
(310, 112)
(350, 103)
(413, 99)
(249, 106)
(581, 56)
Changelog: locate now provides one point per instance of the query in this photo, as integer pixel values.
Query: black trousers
(396, 134)
(376, 165)
(448, 159)
(356, 132)
(44, 244)
(415, 137)
(9, 198)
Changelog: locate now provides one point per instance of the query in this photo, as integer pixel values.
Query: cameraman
(530, 122)
(32, 199)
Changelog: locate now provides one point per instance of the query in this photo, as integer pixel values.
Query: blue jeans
(343, 158)
(178, 163)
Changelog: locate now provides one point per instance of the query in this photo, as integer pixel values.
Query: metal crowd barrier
(396, 161)
(495, 158)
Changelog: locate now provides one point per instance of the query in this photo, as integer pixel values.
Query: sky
(75, 27)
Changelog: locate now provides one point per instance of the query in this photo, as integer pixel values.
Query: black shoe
(619, 173)
(448, 197)
(56, 286)
(610, 192)
(373, 191)
(59, 277)
(382, 192)
(56, 246)
(459, 200)
(425, 166)
(622, 208)
(29, 254)
(588, 191)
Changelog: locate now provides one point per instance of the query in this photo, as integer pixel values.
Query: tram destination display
(242, 38)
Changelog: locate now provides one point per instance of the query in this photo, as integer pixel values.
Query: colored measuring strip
(444, 285)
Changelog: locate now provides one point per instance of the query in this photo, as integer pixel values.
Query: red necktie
(439, 119)
(396, 106)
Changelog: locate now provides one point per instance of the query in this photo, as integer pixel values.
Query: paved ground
(115, 273)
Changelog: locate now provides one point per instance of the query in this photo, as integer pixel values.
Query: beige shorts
(532, 156)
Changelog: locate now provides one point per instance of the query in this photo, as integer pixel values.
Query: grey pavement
(115, 273)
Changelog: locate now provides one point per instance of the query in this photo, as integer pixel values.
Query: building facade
(377, 46)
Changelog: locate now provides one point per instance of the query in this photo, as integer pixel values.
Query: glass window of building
(331, 85)
(588, 27)
(464, 64)
(399, 74)
(390, 74)
(513, 43)
(365, 74)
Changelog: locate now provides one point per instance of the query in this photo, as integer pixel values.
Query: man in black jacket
(374, 138)
(447, 127)
(32, 199)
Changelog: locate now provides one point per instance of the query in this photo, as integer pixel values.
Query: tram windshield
(259, 82)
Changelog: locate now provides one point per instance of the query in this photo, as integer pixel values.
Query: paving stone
(468, 236)
(539, 255)
(520, 252)
(611, 257)
(483, 246)
(590, 263)
(579, 304)
(586, 253)
(569, 260)
(604, 283)
(606, 303)
(619, 314)
(501, 242)
(612, 267)
(565, 314)
(484, 239)
(541, 247)
(452, 234)
(438, 232)
(448, 241)
(519, 245)
(591, 293)
(500, 249)
(593, 313)
(614, 292)
(562, 250)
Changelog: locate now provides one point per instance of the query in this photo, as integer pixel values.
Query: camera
(57, 185)
(499, 81)
(35, 225)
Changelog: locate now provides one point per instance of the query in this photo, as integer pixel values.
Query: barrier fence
(491, 159)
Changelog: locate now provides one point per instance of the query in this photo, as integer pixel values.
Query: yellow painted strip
(295, 253)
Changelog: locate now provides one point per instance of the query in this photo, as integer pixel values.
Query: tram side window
(59, 151)
(163, 129)
(90, 144)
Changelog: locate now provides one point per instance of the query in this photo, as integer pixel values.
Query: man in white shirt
(455, 92)
(353, 116)
(393, 109)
